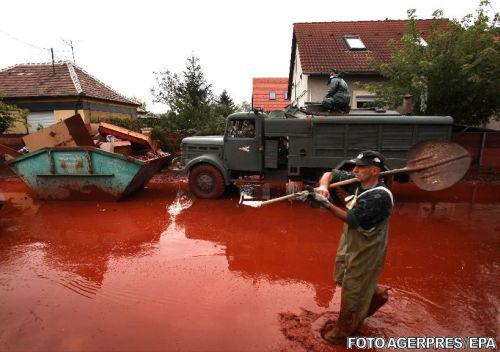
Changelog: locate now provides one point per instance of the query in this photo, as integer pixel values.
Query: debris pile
(73, 132)
(120, 140)
(70, 132)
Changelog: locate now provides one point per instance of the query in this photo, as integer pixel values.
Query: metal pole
(481, 151)
(72, 50)
(53, 65)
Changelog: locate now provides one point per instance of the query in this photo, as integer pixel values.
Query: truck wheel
(206, 181)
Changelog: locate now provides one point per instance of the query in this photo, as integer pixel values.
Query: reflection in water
(162, 267)
(77, 237)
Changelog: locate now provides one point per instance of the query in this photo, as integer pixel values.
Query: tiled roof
(322, 47)
(261, 89)
(62, 80)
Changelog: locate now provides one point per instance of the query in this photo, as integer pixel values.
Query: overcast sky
(123, 42)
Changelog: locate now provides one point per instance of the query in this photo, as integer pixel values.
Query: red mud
(163, 271)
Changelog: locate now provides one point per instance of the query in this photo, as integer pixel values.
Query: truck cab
(243, 143)
(213, 162)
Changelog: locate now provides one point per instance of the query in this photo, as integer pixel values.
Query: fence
(484, 147)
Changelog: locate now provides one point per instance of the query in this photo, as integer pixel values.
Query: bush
(131, 124)
(164, 141)
(9, 114)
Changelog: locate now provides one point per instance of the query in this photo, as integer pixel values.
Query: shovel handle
(295, 195)
(279, 199)
(343, 183)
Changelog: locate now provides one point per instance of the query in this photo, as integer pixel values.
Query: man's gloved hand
(317, 200)
(322, 191)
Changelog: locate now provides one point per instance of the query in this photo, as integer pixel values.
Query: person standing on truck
(362, 248)
(338, 97)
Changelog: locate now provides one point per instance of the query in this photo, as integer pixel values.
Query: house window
(354, 42)
(285, 95)
(363, 99)
(272, 95)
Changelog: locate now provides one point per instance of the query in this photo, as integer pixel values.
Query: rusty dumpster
(84, 173)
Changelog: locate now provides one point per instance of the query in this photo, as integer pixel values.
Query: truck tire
(206, 181)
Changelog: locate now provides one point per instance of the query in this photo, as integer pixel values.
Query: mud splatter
(182, 202)
(303, 330)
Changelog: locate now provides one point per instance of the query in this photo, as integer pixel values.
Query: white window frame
(354, 42)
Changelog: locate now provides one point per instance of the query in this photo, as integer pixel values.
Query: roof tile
(321, 45)
(45, 80)
(261, 89)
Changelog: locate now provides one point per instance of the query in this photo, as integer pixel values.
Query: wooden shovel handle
(279, 199)
(343, 183)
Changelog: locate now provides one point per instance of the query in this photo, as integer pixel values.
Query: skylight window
(354, 42)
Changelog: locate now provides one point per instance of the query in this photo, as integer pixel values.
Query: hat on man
(370, 158)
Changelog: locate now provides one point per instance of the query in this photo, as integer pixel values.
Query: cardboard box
(70, 132)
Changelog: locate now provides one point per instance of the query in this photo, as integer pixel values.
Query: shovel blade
(435, 178)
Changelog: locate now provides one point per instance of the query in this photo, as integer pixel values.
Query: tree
(456, 73)
(9, 114)
(188, 96)
(143, 105)
(225, 105)
(245, 106)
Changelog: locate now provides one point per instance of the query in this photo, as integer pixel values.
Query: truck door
(243, 148)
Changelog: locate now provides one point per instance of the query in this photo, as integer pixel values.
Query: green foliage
(194, 109)
(150, 121)
(245, 107)
(224, 105)
(189, 96)
(143, 106)
(164, 141)
(456, 74)
(9, 114)
(131, 124)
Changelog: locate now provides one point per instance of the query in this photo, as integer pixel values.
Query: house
(317, 48)
(270, 94)
(52, 92)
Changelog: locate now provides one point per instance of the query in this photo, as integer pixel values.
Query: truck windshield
(241, 129)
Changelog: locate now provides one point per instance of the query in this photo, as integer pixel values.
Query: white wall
(299, 93)
(318, 87)
(40, 119)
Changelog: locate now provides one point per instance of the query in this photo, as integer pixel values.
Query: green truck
(298, 145)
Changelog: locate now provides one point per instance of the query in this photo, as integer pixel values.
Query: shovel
(432, 166)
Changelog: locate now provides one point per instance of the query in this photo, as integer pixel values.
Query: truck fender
(209, 159)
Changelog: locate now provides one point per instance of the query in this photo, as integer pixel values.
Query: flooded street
(164, 271)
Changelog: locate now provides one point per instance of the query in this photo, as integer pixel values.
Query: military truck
(297, 145)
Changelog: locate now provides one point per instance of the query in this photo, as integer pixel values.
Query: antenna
(52, 54)
(70, 44)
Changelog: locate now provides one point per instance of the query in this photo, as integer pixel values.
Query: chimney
(407, 107)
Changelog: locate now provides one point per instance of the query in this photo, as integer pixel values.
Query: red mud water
(163, 271)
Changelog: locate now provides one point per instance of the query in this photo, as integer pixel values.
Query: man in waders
(362, 247)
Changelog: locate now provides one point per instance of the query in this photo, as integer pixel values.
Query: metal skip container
(84, 173)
